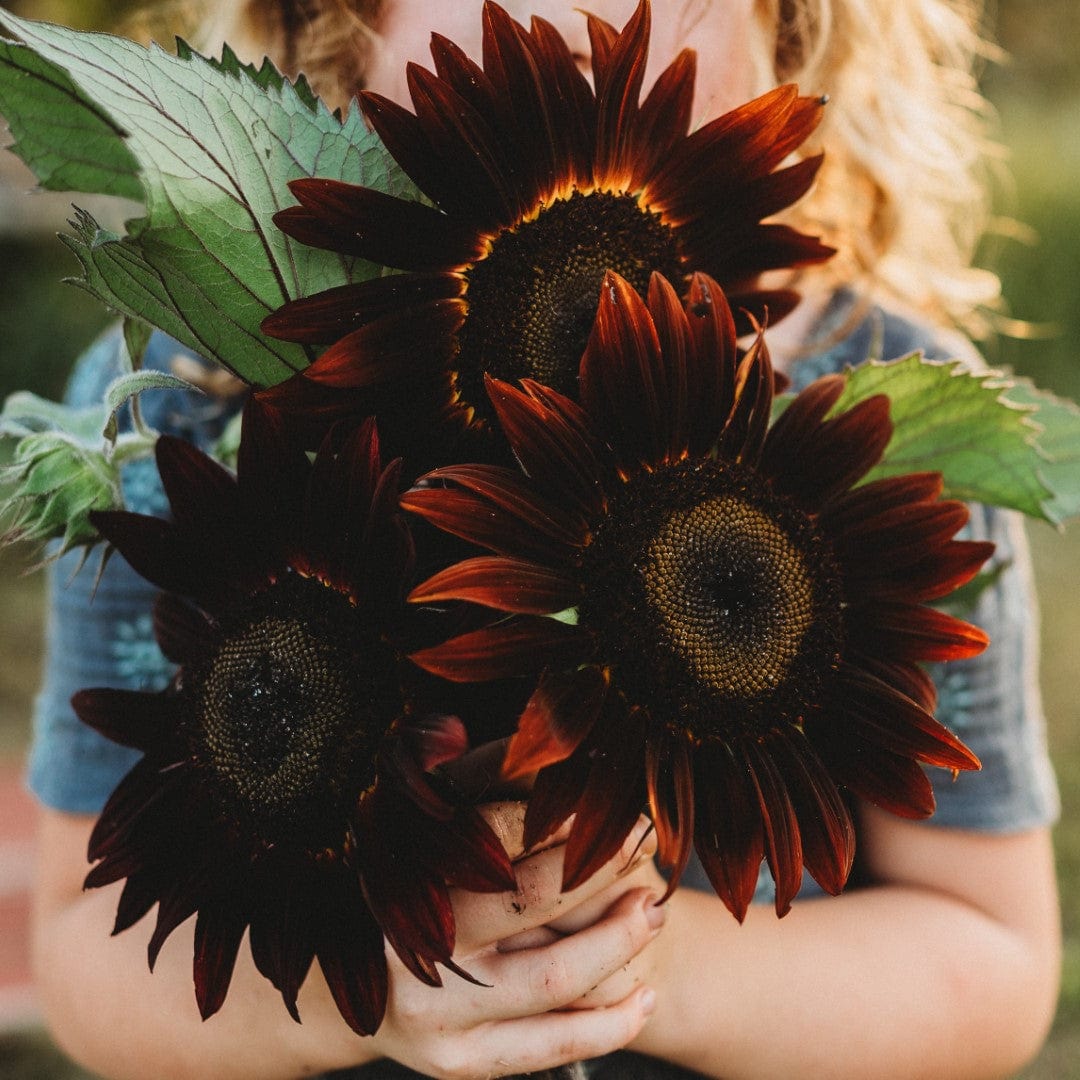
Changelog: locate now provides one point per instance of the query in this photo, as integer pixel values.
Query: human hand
(542, 953)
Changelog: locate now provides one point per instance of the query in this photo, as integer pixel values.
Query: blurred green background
(1036, 92)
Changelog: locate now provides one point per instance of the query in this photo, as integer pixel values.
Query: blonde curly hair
(905, 191)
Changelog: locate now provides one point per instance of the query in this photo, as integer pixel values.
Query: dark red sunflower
(749, 623)
(284, 787)
(539, 184)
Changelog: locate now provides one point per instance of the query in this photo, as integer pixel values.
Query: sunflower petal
(558, 716)
(908, 632)
(547, 442)
(507, 584)
(329, 315)
(825, 826)
(133, 718)
(217, 941)
(505, 491)
(613, 797)
(352, 957)
(555, 793)
(729, 836)
(618, 89)
(355, 220)
(522, 645)
(669, 780)
(837, 454)
(898, 724)
(783, 840)
(637, 398)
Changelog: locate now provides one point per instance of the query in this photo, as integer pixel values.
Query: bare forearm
(107, 1009)
(894, 981)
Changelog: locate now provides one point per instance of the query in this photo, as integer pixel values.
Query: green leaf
(61, 468)
(137, 336)
(1058, 440)
(216, 143)
(123, 388)
(69, 142)
(951, 420)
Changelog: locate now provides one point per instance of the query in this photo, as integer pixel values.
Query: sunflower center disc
(288, 708)
(715, 601)
(532, 300)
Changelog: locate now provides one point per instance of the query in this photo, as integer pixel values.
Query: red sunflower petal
(141, 892)
(466, 852)
(744, 436)
(473, 518)
(910, 679)
(547, 441)
(571, 103)
(557, 789)
(175, 908)
(825, 826)
(665, 116)
(415, 341)
(743, 143)
(355, 220)
(281, 937)
(884, 715)
(937, 574)
(506, 584)
(353, 961)
(512, 68)
(217, 941)
(199, 489)
(185, 634)
(783, 840)
(522, 645)
(155, 550)
(632, 393)
(729, 836)
(618, 90)
(713, 362)
(908, 632)
(879, 496)
(896, 784)
(410, 905)
(333, 313)
(456, 128)
(133, 718)
(558, 716)
(613, 797)
(669, 780)
(602, 39)
(795, 427)
(838, 454)
(434, 740)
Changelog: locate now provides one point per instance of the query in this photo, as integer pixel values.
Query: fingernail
(648, 1001)
(655, 915)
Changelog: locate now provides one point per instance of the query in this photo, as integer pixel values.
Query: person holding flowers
(791, 733)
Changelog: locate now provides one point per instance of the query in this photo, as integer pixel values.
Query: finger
(545, 1042)
(537, 938)
(538, 980)
(485, 918)
(641, 874)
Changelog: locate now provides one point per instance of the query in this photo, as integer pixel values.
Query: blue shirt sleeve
(992, 701)
(100, 632)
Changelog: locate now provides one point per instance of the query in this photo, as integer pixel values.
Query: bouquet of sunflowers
(511, 433)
